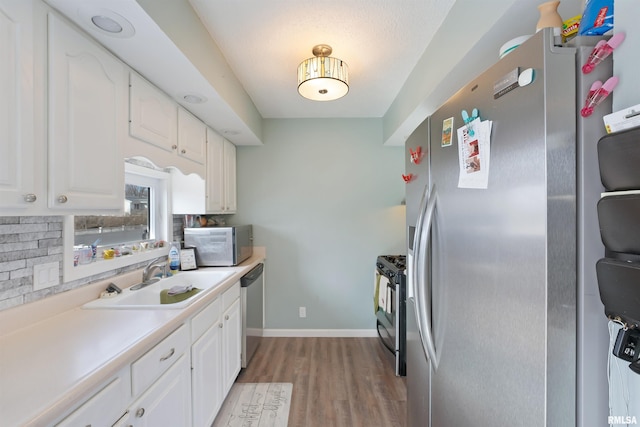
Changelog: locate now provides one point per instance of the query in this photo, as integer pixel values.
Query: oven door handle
(421, 284)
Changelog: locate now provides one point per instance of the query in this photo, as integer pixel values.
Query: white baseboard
(340, 333)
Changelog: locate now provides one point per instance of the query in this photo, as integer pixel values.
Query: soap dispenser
(174, 258)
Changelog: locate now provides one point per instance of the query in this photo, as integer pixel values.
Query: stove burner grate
(393, 262)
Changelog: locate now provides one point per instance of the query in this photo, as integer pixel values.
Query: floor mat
(257, 405)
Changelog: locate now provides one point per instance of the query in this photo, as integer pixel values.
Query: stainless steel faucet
(158, 263)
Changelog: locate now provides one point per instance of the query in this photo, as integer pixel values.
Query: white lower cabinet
(231, 345)
(104, 408)
(161, 384)
(147, 369)
(182, 381)
(213, 355)
(167, 402)
(206, 378)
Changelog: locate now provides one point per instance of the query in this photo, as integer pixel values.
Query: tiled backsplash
(26, 241)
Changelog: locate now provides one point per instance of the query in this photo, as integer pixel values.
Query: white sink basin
(149, 296)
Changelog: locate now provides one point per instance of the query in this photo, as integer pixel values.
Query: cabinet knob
(183, 151)
(174, 147)
(140, 412)
(220, 325)
(62, 199)
(30, 198)
(226, 317)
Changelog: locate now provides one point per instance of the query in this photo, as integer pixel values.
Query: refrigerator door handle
(418, 279)
(417, 233)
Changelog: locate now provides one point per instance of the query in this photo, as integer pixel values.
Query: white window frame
(161, 224)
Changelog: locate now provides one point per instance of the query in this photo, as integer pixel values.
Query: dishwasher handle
(252, 275)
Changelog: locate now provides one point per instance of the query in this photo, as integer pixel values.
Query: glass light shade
(323, 78)
(107, 24)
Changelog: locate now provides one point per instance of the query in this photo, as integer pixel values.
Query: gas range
(391, 265)
(390, 289)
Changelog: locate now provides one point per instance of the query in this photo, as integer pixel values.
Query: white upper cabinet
(230, 176)
(22, 186)
(153, 116)
(221, 174)
(163, 132)
(215, 172)
(87, 122)
(192, 137)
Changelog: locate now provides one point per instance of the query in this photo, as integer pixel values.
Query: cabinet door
(87, 122)
(17, 144)
(215, 172)
(105, 407)
(153, 117)
(168, 401)
(231, 345)
(206, 378)
(221, 174)
(230, 177)
(192, 137)
(150, 366)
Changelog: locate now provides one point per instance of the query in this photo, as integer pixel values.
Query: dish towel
(376, 292)
(165, 298)
(381, 293)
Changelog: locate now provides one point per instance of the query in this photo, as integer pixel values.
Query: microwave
(220, 246)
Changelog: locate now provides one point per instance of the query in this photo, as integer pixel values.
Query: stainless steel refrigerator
(505, 326)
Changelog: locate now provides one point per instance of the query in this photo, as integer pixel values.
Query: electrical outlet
(46, 275)
(302, 311)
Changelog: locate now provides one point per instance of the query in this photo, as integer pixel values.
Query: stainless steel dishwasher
(252, 296)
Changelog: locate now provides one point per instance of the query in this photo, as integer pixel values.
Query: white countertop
(55, 359)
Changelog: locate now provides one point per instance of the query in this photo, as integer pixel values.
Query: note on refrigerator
(474, 154)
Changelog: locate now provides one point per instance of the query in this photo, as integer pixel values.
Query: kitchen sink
(148, 297)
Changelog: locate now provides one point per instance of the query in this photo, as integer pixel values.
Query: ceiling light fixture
(105, 22)
(323, 78)
(193, 98)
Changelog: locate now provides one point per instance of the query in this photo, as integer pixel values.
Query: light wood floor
(337, 382)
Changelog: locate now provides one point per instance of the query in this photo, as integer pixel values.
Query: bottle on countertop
(174, 258)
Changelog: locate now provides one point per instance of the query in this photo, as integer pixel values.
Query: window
(136, 235)
(119, 230)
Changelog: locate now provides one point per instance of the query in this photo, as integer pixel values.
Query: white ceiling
(261, 43)
(264, 41)
(242, 55)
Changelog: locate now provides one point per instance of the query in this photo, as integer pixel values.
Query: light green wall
(324, 197)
